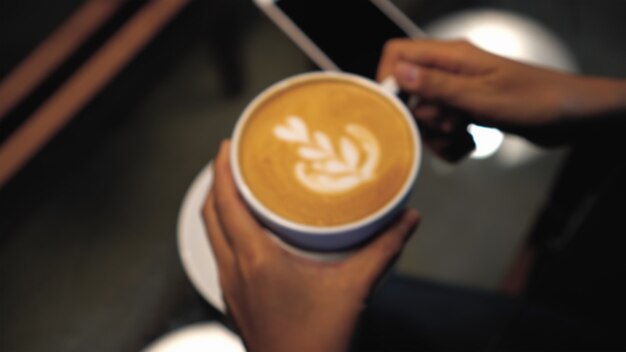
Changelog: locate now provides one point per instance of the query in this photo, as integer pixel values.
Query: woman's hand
(281, 301)
(459, 83)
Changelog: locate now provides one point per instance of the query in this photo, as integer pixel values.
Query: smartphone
(341, 35)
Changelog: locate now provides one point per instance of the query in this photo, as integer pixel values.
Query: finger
(431, 118)
(372, 260)
(221, 248)
(390, 55)
(434, 84)
(452, 146)
(242, 230)
(445, 120)
(452, 56)
(428, 114)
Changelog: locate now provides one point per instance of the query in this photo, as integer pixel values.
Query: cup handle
(391, 85)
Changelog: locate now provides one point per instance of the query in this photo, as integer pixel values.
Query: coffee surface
(326, 152)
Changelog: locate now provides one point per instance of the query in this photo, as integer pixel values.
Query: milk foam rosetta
(325, 152)
(323, 169)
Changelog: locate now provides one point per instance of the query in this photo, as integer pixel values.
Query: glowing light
(507, 34)
(498, 39)
(197, 338)
(487, 140)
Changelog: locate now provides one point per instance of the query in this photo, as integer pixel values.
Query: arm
(540, 104)
(280, 301)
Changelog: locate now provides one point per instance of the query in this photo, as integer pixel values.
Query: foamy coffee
(326, 151)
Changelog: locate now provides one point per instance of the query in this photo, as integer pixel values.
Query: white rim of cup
(249, 197)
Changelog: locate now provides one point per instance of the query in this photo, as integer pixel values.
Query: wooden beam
(53, 51)
(78, 90)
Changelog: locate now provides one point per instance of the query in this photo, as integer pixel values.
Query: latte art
(325, 151)
(324, 169)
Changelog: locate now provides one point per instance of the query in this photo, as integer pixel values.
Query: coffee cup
(325, 159)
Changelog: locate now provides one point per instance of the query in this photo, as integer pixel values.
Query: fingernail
(407, 73)
(223, 144)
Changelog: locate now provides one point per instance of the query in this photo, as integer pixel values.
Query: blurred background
(110, 108)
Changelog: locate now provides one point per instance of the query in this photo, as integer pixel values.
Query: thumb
(431, 83)
(372, 260)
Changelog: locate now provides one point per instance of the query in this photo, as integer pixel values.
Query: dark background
(88, 256)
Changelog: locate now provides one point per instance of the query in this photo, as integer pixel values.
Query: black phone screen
(351, 33)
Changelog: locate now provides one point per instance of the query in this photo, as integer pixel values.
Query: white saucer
(193, 244)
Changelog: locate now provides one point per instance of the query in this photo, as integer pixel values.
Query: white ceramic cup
(326, 238)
